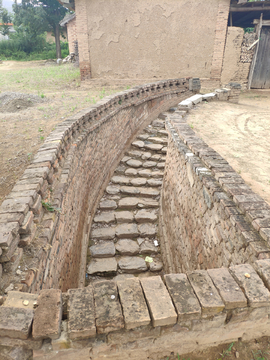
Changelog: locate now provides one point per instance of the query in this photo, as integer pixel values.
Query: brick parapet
(221, 221)
(67, 174)
(145, 317)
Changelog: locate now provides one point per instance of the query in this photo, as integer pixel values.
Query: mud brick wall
(69, 173)
(72, 35)
(209, 216)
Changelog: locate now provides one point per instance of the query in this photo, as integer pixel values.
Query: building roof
(67, 19)
(244, 12)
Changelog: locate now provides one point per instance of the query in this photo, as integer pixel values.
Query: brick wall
(210, 217)
(220, 38)
(83, 41)
(70, 172)
(72, 35)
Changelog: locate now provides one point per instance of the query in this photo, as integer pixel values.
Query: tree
(54, 13)
(5, 18)
(34, 17)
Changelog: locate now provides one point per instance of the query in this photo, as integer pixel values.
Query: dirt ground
(22, 132)
(241, 134)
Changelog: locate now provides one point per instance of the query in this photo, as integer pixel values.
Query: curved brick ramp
(125, 228)
(138, 318)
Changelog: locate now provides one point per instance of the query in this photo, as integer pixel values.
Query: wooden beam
(246, 9)
(252, 67)
(264, 22)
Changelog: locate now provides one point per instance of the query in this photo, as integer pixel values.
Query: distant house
(11, 30)
(69, 22)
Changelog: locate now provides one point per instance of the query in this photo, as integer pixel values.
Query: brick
(23, 300)
(183, 296)
(81, 313)
(228, 289)
(48, 315)
(7, 233)
(15, 322)
(251, 284)
(263, 269)
(26, 225)
(134, 307)
(206, 292)
(8, 252)
(11, 217)
(19, 205)
(107, 307)
(159, 301)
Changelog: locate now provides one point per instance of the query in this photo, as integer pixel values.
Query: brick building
(69, 22)
(161, 39)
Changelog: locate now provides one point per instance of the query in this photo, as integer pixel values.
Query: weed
(120, 102)
(49, 207)
(128, 87)
(190, 125)
(41, 138)
(227, 351)
(40, 129)
(94, 101)
(73, 108)
(29, 156)
(258, 355)
(42, 96)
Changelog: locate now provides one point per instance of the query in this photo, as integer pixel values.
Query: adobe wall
(146, 39)
(40, 249)
(71, 34)
(237, 57)
(209, 217)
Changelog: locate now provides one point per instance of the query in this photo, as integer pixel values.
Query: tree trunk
(57, 41)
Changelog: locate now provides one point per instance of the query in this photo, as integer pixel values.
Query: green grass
(38, 78)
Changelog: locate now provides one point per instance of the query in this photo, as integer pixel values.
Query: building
(160, 39)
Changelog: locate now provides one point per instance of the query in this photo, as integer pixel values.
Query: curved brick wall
(70, 171)
(210, 217)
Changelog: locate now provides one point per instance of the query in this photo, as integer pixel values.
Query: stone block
(126, 230)
(105, 217)
(107, 307)
(185, 105)
(124, 216)
(159, 301)
(263, 269)
(196, 99)
(103, 233)
(102, 266)
(7, 233)
(23, 300)
(206, 292)
(133, 303)
(15, 322)
(183, 296)
(228, 289)
(48, 315)
(249, 281)
(103, 250)
(209, 97)
(132, 264)
(81, 313)
(127, 247)
(9, 251)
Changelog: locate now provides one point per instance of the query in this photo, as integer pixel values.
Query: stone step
(124, 216)
(121, 180)
(144, 216)
(159, 124)
(158, 140)
(103, 233)
(103, 250)
(143, 137)
(145, 191)
(127, 247)
(133, 203)
(132, 264)
(163, 132)
(105, 217)
(106, 266)
(107, 205)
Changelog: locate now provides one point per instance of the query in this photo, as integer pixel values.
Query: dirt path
(241, 134)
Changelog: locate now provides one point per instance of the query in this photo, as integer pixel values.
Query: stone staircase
(124, 233)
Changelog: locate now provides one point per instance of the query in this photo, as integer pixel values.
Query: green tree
(34, 17)
(5, 18)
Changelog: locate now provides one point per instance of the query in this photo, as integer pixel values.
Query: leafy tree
(5, 18)
(34, 17)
